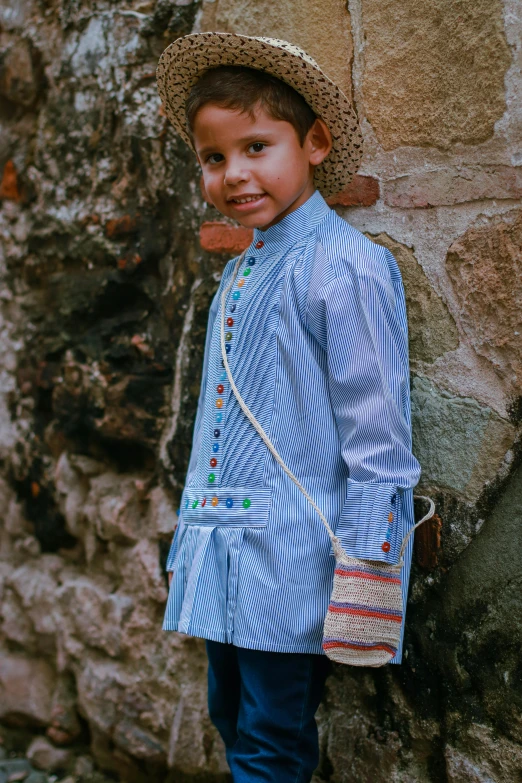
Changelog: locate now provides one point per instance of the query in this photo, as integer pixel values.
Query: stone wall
(109, 257)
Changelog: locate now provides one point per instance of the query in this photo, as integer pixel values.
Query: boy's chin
(261, 221)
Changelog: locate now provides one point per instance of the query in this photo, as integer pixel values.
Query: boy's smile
(254, 170)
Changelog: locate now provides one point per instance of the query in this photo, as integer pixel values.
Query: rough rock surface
(442, 424)
(107, 270)
(485, 267)
(434, 72)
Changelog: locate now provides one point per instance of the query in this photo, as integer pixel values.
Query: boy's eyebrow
(250, 137)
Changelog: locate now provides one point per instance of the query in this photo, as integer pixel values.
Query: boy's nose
(235, 173)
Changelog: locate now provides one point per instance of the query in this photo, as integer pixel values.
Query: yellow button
(219, 402)
(241, 283)
(214, 501)
(390, 517)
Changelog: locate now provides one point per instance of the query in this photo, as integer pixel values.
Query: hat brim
(186, 59)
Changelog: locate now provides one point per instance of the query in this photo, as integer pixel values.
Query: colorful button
(213, 462)
(241, 283)
(214, 501)
(215, 448)
(260, 244)
(386, 546)
(219, 402)
(177, 512)
(390, 517)
(211, 477)
(219, 418)
(186, 503)
(232, 308)
(251, 261)
(230, 322)
(230, 502)
(228, 336)
(236, 294)
(223, 376)
(246, 503)
(220, 388)
(247, 271)
(217, 433)
(204, 502)
(228, 348)
(194, 504)
(222, 363)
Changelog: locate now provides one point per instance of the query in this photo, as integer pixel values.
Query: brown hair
(243, 88)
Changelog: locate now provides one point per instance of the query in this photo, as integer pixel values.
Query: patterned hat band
(183, 63)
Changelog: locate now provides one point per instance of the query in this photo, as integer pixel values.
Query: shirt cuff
(173, 551)
(370, 523)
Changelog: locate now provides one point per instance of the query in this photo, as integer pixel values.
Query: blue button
(228, 348)
(236, 294)
(230, 502)
(177, 512)
(232, 308)
(219, 418)
(222, 363)
(223, 376)
(186, 503)
(217, 433)
(252, 261)
(215, 447)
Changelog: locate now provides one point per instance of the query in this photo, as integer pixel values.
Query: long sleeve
(368, 376)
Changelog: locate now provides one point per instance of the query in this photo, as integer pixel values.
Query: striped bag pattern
(363, 622)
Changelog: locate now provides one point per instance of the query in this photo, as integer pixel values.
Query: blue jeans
(263, 705)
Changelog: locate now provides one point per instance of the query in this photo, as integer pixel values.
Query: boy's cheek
(203, 190)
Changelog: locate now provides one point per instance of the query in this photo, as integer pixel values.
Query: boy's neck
(292, 227)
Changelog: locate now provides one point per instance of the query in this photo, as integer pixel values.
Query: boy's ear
(320, 141)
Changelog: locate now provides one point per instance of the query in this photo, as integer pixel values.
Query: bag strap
(336, 544)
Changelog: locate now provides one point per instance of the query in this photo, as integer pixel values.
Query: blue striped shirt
(316, 336)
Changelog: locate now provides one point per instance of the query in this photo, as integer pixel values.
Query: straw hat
(186, 59)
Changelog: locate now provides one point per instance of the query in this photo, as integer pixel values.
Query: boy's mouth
(247, 201)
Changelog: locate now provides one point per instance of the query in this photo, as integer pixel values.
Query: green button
(246, 503)
(211, 477)
(228, 336)
(247, 271)
(194, 504)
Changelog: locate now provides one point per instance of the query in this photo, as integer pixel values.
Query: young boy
(316, 340)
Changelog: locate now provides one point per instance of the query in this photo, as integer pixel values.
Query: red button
(230, 322)
(220, 389)
(204, 502)
(259, 244)
(213, 462)
(386, 546)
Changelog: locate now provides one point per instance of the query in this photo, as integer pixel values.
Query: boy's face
(241, 157)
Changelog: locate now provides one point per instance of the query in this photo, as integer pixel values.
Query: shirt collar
(291, 228)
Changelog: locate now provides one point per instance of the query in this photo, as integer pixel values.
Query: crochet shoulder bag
(363, 622)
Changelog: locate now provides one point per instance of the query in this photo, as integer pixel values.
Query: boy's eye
(258, 146)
